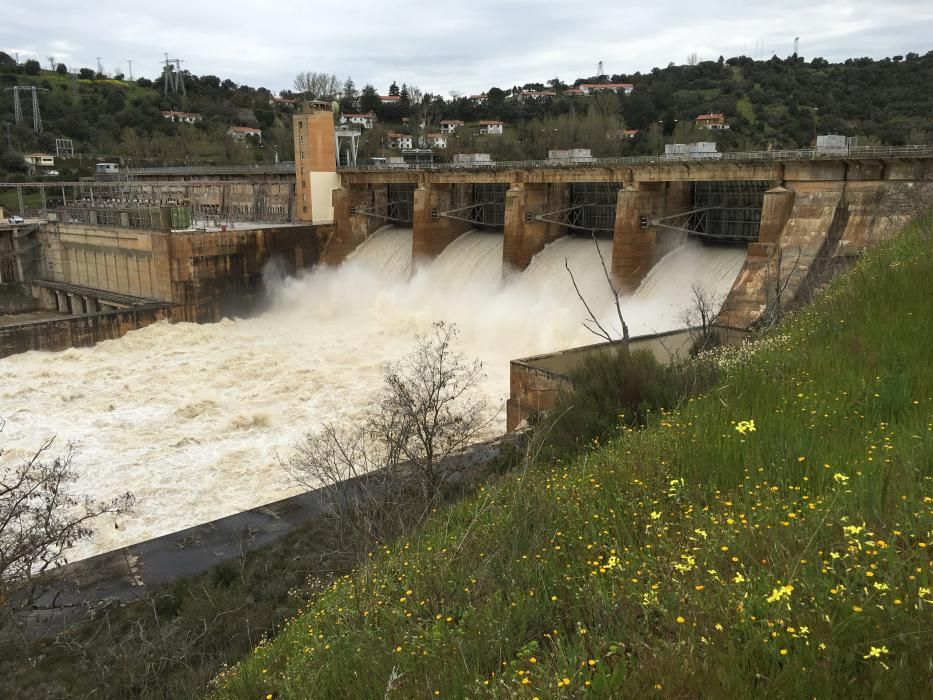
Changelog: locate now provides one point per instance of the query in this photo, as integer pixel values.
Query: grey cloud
(460, 46)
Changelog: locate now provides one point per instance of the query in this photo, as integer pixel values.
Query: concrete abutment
(524, 236)
(431, 232)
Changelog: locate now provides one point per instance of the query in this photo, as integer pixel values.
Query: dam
(198, 326)
(193, 417)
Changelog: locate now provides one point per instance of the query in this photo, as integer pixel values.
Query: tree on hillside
(40, 519)
(393, 89)
(369, 99)
(32, 67)
(317, 86)
(350, 96)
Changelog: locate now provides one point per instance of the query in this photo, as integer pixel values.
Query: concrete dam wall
(199, 276)
(794, 217)
(201, 273)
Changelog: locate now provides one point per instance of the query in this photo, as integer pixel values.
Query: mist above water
(191, 417)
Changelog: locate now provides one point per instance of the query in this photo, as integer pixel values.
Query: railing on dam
(863, 152)
(256, 169)
(159, 218)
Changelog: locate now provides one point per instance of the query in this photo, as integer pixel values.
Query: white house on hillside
(364, 120)
(713, 122)
(241, 132)
(397, 139)
(449, 126)
(182, 117)
(45, 160)
(491, 127)
(436, 140)
(590, 88)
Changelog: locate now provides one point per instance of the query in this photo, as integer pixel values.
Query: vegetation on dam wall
(769, 536)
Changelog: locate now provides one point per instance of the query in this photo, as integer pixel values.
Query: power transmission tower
(179, 78)
(36, 116)
(18, 106)
(130, 62)
(172, 79)
(100, 67)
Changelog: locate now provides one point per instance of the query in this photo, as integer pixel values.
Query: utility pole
(130, 62)
(100, 68)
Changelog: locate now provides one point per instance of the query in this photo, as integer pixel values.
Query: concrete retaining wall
(535, 382)
(218, 274)
(208, 274)
(78, 331)
(810, 226)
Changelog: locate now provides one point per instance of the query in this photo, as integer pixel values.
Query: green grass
(10, 201)
(59, 81)
(744, 108)
(694, 557)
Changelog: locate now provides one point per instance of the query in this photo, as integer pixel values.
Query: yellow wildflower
(779, 593)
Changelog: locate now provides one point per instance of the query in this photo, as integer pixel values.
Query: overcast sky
(462, 45)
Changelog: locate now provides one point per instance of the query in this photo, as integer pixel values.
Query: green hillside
(777, 103)
(768, 538)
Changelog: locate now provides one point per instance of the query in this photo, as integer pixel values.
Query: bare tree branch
(40, 519)
(600, 330)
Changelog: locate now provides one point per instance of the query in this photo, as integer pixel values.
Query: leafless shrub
(385, 471)
(40, 519)
(700, 318)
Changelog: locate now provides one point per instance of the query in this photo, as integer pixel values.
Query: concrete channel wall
(78, 331)
(208, 274)
(535, 382)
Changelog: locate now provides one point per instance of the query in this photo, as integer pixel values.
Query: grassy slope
(686, 559)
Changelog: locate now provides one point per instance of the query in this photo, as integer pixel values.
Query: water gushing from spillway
(191, 417)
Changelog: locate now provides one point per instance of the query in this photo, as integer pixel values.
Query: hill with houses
(738, 103)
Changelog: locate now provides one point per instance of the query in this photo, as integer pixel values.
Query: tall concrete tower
(315, 163)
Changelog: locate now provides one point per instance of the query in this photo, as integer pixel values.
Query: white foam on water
(191, 418)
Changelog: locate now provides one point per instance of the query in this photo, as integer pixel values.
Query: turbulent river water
(191, 417)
